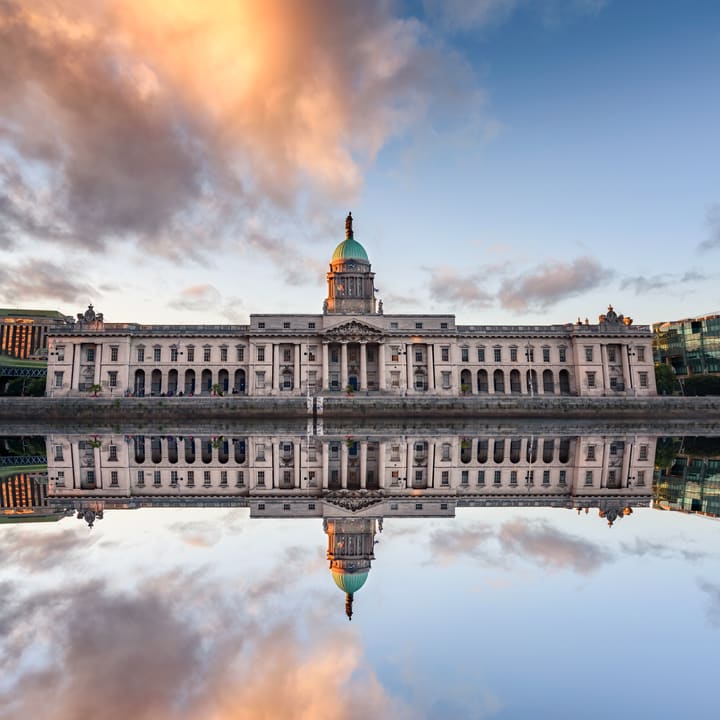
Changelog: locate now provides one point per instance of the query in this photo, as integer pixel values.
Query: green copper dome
(350, 249)
(350, 583)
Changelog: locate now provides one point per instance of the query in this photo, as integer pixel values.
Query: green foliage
(666, 451)
(26, 387)
(667, 383)
(702, 385)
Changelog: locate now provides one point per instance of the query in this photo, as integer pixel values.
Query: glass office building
(691, 346)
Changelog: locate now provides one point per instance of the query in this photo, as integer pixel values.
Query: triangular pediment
(353, 330)
(353, 502)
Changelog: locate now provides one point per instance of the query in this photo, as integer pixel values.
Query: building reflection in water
(352, 483)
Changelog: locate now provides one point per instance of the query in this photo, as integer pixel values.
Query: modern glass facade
(691, 346)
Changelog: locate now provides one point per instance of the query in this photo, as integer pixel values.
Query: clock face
(351, 265)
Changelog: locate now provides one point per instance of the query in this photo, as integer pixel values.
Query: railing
(13, 460)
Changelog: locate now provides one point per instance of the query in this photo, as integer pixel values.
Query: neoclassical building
(352, 345)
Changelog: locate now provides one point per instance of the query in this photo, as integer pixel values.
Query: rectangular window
(445, 380)
(588, 354)
(497, 354)
(443, 326)
(206, 354)
(643, 379)
(112, 379)
(590, 452)
(513, 477)
(588, 477)
(223, 354)
(641, 477)
(418, 356)
(112, 453)
(59, 379)
(613, 449)
(261, 506)
(223, 478)
(464, 354)
(114, 478)
(640, 354)
(643, 454)
(611, 354)
(563, 354)
(286, 325)
(240, 353)
(113, 353)
(395, 379)
(206, 478)
(191, 354)
(60, 480)
(418, 506)
(590, 379)
(260, 380)
(530, 355)
(240, 478)
(157, 352)
(60, 352)
(444, 354)
(260, 451)
(563, 477)
(444, 477)
(546, 354)
(287, 356)
(261, 325)
(613, 382)
(261, 353)
(141, 354)
(513, 354)
(481, 477)
(90, 354)
(311, 326)
(395, 353)
(173, 354)
(497, 477)
(546, 477)
(173, 478)
(611, 478)
(156, 478)
(481, 355)
(141, 478)
(446, 451)
(312, 353)
(464, 477)
(59, 452)
(393, 326)
(418, 326)
(191, 478)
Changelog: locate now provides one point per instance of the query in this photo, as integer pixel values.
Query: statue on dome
(348, 226)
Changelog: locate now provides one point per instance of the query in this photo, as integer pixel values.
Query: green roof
(350, 583)
(23, 312)
(350, 249)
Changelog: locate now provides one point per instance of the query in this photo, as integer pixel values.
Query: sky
(509, 161)
(497, 613)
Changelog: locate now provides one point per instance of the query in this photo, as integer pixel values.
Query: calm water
(575, 597)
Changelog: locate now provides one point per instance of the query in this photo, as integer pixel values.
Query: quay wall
(233, 408)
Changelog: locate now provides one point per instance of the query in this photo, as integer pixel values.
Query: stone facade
(352, 346)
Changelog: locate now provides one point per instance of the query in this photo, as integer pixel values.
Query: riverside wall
(102, 410)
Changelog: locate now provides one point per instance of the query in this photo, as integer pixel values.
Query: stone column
(408, 463)
(343, 366)
(381, 464)
(408, 366)
(431, 464)
(363, 365)
(625, 351)
(324, 449)
(343, 464)
(431, 367)
(297, 478)
(454, 379)
(605, 369)
(297, 380)
(74, 380)
(381, 366)
(98, 364)
(363, 464)
(276, 367)
(325, 368)
(275, 464)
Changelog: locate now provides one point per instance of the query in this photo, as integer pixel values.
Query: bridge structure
(16, 367)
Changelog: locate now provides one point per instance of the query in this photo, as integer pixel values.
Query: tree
(665, 379)
(702, 385)
(95, 389)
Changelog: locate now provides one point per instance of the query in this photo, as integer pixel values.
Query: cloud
(462, 16)
(32, 279)
(523, 540)
(184, 648)
(642, 284)
(34, 553)
(198, 298)
(641, 548)
(468, 290)
(713, 592)
(713, 222)
(551, 283)
(173, 126)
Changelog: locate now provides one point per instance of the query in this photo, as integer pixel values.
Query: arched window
(564, 379)
(499, 450)
(515, 388)
(499, 382)
(465, 382)
(548, 382)
(515, 444)
(548, 450)
(482, 381)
